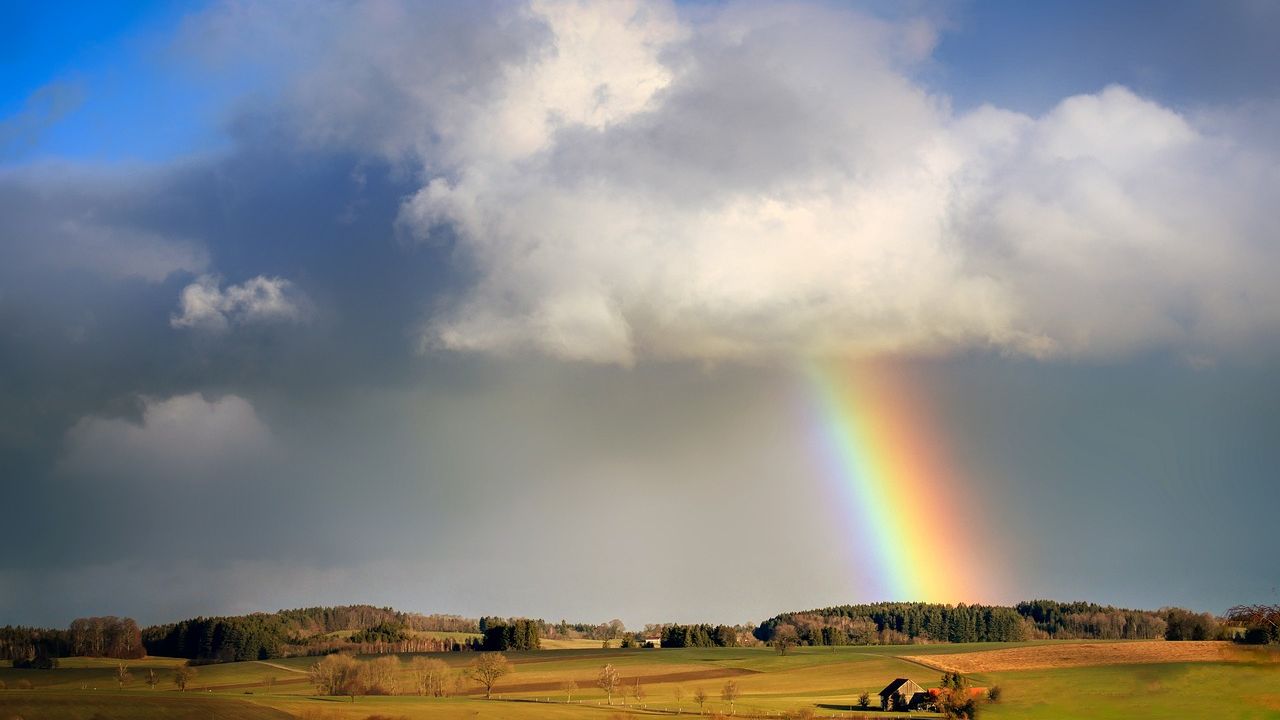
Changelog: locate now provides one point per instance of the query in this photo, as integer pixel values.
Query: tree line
(263, 636)
(316, 620)
(517, 634)
(898, 623)
(1090, 621)
(108, 636)
(680, 636)
(374, 630)
(305, 631)
(564, 629)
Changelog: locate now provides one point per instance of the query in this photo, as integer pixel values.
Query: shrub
(1256, 636)
(1186, 625)
(994, 693)
(40, 663)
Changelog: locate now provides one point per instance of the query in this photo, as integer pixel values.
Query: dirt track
(1040, 657)
(584, 682)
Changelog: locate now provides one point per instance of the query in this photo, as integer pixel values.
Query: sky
(657, 311)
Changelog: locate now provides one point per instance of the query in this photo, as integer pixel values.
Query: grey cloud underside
(758, 189)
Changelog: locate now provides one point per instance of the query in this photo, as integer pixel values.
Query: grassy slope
(825, 679)
(1122, 692)
(572, 644)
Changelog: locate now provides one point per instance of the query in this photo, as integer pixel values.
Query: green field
(825, 681)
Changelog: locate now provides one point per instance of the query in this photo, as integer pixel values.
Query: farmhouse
(901, 693)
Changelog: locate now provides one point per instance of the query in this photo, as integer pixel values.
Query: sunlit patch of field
(1079, 655)
(1218, 690)
(571, 644)
(445, 635)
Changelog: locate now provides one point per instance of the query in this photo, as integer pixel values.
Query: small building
(652, 642)
(903, 688)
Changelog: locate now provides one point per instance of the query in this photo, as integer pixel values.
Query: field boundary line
(285, 668)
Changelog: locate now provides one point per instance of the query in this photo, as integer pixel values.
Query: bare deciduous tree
(123, 676)
(432, 676)
(1259, 614)
(378, 676)
(729, 694)
(487, 669)
(152, 678)
(568, 686)
(337, 675)
(678, 693)
(183, 676)
(700, 697)
(608, 681)
(638, 691)
(1265, 618)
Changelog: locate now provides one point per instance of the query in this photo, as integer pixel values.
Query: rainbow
(905, 503)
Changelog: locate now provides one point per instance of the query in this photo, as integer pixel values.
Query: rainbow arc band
(886, 458)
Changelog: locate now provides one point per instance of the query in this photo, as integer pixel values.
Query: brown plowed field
(1040, 657)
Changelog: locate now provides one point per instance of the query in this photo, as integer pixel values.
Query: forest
(915, 622)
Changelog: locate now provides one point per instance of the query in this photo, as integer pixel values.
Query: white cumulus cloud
(181, 438)
(206, 305)
(754, 181)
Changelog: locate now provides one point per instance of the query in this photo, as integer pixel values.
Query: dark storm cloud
(322, 222)
(89, 340)
(405, 170)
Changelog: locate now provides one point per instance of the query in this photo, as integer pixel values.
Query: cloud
(183, 438)
(60, 218)
(259, 300)
(123, 253)
(43, 109)
(786, 188)
(1115, 225)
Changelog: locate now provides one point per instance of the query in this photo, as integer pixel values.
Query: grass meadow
(824, 681)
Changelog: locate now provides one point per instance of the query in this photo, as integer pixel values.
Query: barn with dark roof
(905, 688)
